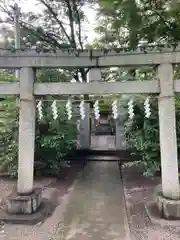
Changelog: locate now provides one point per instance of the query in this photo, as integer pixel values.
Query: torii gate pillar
(168, 139)
(25, 200)
(167, 196)
(120, 138)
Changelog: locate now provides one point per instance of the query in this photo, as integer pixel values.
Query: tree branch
(71, 23)
(43, 37)
(79, 23)
(56, 18)
(160, 16)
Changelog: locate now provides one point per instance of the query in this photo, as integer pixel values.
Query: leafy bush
(54, 140)
(9, 135)
(143, 135)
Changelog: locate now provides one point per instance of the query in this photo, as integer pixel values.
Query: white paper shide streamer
(39, 108)
(147, 107)
(82, 110)
(115, 109)
(54, 110)
(69, 109)
(131, 109)
(96, 110)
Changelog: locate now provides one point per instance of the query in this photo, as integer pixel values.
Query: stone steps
(104, 129)
(103, 155)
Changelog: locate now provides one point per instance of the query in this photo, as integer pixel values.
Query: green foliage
(131, 21)
(9, 134)
(52, 75)
(143, 136)
(55, 139)
(105, 108)
(8, 128)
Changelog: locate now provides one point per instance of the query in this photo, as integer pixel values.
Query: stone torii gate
(26, 200)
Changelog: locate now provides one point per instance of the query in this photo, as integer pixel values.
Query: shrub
(143, 135)
(9, 135)
(54, 140)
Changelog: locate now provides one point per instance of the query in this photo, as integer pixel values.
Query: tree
(59, 26)
(132, 21)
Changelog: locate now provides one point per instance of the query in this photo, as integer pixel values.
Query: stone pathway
(93, 207)
(106, 142)
(96, 209)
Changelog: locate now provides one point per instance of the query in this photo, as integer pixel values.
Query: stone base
(21, 204)
(44, 211)
(167, 208)
(44, 208)
(155, 217)
(163, 211)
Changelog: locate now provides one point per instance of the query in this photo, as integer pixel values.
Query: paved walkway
(96, 209)
(106, 142)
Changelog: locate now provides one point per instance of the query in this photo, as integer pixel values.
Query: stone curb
(127, 225)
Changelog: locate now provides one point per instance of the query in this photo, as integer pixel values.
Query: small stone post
(94, 75)
(85, 131)
(168, 140)
(26, 132)
(120, 138)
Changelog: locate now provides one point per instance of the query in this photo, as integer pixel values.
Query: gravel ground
(138, 189)
(59, 189)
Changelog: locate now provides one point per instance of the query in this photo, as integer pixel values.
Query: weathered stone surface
(167, 133)
(155, 217)
(45, 210)
(167, 208)
(96, 209)
(49, 202)
(21, 204)
(85, 135)
(27, 123)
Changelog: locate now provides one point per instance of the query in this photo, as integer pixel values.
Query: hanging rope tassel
(115, 109)
(69, 109)
(131, 109)
(82, 110)
(39, 108)
(147, 107)
(54, 110)
(96, 110)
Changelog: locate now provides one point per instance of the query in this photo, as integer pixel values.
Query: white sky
(30, 5)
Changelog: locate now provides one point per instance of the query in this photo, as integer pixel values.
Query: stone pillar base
(29, 210)
(168, 209)
(163, 211)
(22, 204)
